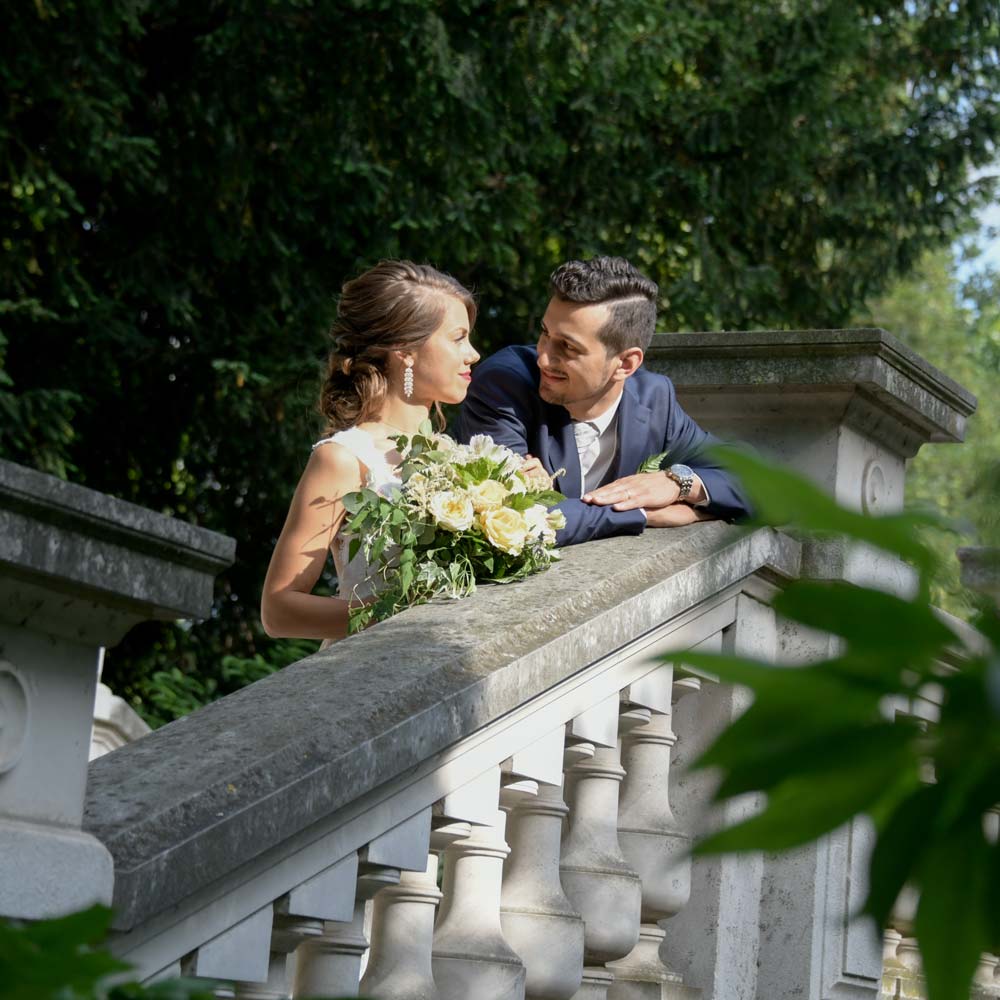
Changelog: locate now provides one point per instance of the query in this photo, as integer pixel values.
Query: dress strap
(362, 446)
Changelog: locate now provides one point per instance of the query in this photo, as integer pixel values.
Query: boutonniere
(654, 463)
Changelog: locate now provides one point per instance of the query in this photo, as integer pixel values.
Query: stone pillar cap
(787, 362)
(78, 563)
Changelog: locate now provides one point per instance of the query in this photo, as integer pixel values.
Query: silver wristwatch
(683, 476)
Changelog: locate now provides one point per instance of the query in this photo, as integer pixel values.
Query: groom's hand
(649, 490)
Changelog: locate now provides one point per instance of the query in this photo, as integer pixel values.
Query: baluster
(891, 967)
(600, 884)
(471, 958)
(287, 934)
(538, 920)
(329, 965)
(651, 839)
(985, 976)
(595, 984)
(402, 938)
(909, 955)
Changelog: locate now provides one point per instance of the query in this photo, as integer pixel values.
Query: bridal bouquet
(464, 514)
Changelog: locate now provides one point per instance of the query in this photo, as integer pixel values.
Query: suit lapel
(633, 434)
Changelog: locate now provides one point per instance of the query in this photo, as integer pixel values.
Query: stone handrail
(210, 792)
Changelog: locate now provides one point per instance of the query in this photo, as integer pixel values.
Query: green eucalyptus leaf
(352, 502)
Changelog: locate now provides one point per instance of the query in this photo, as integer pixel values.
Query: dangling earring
(408, 380)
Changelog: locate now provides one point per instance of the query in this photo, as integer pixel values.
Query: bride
(402, 346)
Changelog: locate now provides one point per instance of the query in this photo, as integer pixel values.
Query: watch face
(682, 470)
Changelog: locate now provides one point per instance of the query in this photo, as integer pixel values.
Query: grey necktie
(588, 444)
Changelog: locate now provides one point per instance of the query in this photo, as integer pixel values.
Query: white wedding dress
(379, 473)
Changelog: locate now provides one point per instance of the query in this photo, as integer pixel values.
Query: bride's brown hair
(395, 305)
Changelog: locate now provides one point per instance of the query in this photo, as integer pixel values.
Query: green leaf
(775, 757)
(406, 575)
(519, 501)
(352, 502)
(654, 463)
(902, 837)
(800, 809)
(951, 922)
(861, 614)
(782, 497)
(547, 498)
(359, 519)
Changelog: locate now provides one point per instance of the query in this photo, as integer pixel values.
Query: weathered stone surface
(776, 366)
(84, 566)
(200, 797)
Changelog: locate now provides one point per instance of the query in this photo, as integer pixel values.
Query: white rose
(483, 446)
(537, 519)
(452, 510)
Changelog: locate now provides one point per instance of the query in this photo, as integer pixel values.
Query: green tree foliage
(65, 959)
(948, 310)
(184, 187)
(62, 959)
(821, 742)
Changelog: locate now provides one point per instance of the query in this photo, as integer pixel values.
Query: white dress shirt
(596, 444)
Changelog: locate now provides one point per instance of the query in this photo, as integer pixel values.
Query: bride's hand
(535, 474)
(531, 464)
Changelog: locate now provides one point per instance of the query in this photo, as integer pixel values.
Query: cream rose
(557, 520)
(505, 528)
(487, 495)
(452, 510)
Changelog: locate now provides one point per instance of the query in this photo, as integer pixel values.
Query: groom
(580, 401)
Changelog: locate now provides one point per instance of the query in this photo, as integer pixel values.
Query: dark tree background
(184, 187)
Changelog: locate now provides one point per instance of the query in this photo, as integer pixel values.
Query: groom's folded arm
(686, 444)
(585, 522)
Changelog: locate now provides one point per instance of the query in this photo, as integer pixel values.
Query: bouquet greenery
(463, 514)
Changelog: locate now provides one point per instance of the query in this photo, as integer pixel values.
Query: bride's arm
(288, 608)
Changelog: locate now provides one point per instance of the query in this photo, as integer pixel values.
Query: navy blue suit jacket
(503, 402)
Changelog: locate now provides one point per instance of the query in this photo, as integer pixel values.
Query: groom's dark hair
(630, 295)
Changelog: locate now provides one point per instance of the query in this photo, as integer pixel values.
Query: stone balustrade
(531, 744)
(240, 856)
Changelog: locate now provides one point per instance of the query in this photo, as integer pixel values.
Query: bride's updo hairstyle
(396, 305)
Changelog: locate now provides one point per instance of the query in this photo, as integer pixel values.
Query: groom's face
(574, 365)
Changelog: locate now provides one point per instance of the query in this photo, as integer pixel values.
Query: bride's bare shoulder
(332, 466)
